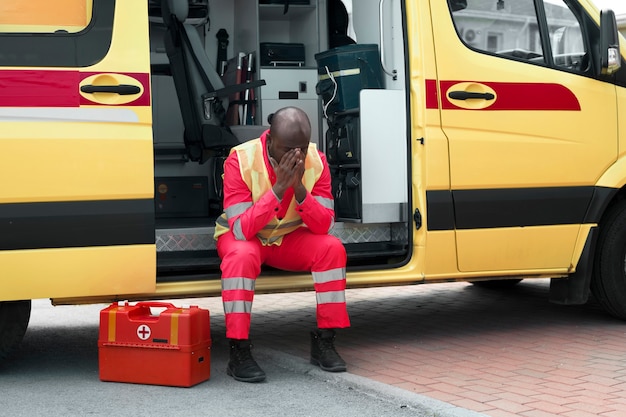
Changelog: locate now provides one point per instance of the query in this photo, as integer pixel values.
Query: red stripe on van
(512, 96)
(432, 101)
(32, 88)
(55, 88)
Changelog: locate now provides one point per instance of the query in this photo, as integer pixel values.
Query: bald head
(290, 122)
(290, 128)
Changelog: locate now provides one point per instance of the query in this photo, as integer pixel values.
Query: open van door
(76, 160)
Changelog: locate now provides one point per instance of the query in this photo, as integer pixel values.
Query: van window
(44, 16)
(512, 29)
(505, 27)
(59, 33)
(566, 38)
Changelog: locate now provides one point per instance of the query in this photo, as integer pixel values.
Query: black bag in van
(346, 184)
(343, 143)
(343, 72)
(282, 54)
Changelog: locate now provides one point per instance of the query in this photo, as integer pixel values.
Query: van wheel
(497, 284)
(609, 268)
(14, 317)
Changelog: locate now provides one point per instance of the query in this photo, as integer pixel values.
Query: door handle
(467, 95)
(121, 89)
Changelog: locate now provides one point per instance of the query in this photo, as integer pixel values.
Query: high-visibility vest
(254, 173)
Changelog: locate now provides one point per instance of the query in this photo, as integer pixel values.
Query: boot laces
(243, 353)
(327, 344)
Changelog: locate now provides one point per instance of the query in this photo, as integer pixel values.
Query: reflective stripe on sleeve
(237, 231)
(330, 297)
(238, 307)
(336, 274)
(237, 209)
(329, 203)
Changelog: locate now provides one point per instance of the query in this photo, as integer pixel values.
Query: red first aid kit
(138, 344)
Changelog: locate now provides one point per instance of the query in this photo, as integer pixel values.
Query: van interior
(218, 72)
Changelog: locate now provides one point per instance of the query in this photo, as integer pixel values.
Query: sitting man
(278, 210)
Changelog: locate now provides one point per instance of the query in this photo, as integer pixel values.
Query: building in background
(621, 23)
(511, 27)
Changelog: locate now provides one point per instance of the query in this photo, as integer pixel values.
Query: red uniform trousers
(301, 250)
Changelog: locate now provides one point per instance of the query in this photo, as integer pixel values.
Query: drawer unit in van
(291, 87)
(289, 83)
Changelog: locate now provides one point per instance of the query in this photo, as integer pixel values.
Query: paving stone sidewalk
(502, 353)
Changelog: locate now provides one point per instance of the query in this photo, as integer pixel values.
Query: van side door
(531, 126)
(76, 159)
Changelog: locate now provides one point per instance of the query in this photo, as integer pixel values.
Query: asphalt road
(55, 373)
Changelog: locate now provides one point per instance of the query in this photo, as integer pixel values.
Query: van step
(200, 238)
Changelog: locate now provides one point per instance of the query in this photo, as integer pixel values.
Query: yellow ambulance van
(469, 140)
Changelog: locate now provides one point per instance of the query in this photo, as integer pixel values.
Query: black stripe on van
(76, 224)
(515, 207)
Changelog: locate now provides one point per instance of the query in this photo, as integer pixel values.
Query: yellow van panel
(512, 249)
(77, 272)
(440, 257)
(615, 176)
(113, 162)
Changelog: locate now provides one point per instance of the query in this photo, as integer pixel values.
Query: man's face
(279, 146)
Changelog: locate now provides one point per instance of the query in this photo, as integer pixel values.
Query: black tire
(497, 284)
(608, 284)
(14, 317)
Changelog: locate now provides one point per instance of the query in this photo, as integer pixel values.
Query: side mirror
(610, 58)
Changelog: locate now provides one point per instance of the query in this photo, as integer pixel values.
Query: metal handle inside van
(392, 73)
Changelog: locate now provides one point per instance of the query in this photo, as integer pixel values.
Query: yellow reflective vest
(254, 173)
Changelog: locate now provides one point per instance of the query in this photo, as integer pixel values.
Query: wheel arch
(610, 189)
(575, 289)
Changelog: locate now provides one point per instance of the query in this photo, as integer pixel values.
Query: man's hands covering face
(289, 172)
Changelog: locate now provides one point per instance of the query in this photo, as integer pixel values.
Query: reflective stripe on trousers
(300, 250)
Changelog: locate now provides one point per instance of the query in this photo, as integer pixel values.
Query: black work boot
(323, 353)
(242, 366)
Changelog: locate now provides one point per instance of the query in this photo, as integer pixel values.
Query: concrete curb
(426, 406)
